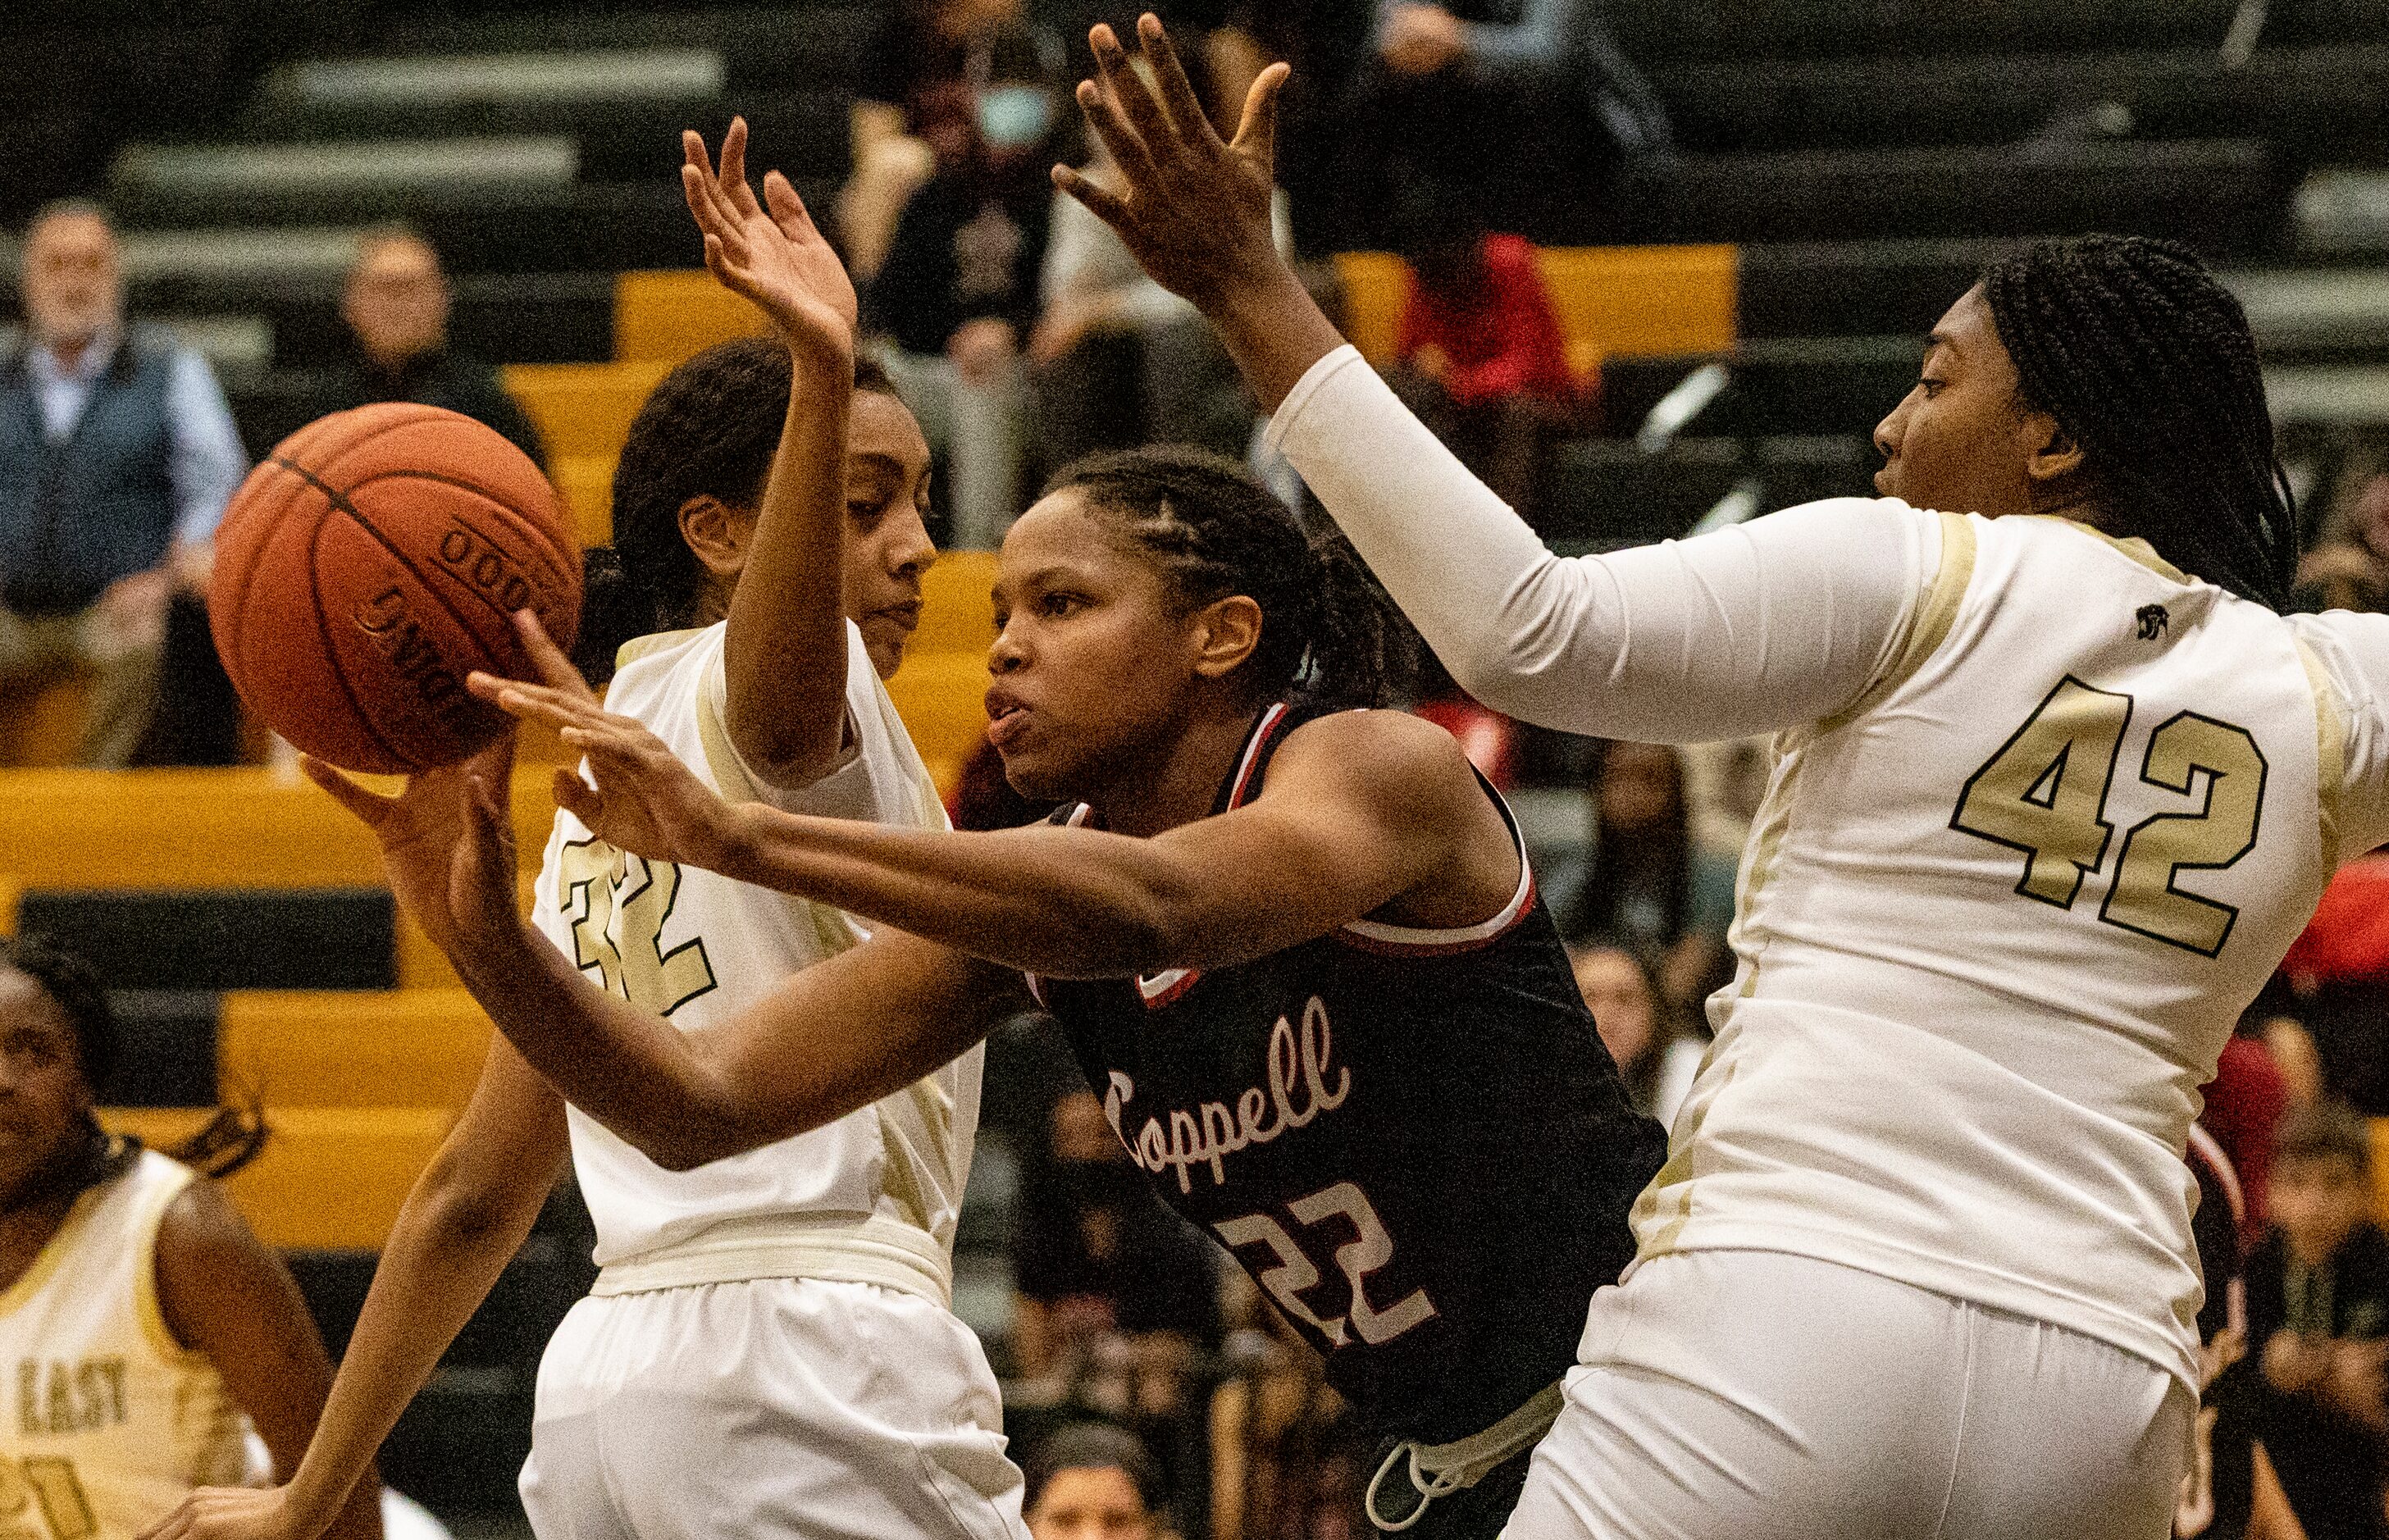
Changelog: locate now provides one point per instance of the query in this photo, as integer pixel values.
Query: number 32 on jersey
(2044, 792)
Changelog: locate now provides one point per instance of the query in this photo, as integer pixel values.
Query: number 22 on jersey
(1369, 1249)
(2046, 793)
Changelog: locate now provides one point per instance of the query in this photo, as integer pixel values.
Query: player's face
(1097, 1503)
(1957, 441)
(1093, 658)
(43, 1098)
(887, 544)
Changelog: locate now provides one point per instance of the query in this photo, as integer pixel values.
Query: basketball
(369, 564)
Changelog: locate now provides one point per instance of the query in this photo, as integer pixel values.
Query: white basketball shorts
(1755, 1396)
(772, 1408)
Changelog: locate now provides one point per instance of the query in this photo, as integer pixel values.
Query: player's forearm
(784, 657)
(443, 1256)
(626, 1067)
(1066, 903)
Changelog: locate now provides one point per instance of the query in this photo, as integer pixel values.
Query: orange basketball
(370, 563)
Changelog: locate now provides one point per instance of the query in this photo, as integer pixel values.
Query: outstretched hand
(644, 800)
(447, 843)
(770, 251)
(1195, 211)
(230, 1513)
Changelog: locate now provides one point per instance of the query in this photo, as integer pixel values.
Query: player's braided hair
(710, 428)
(1327, 628)
(2147, 363)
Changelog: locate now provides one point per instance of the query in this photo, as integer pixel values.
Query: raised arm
(784, 659)
(1769, 626)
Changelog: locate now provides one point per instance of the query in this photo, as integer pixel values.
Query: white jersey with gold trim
(110, 1422)
(871, 1197)
(2044, 817)
(1996, 919)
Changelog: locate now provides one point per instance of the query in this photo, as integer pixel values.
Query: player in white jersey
(2046, 812)
(144, 1329)
(769, 1349)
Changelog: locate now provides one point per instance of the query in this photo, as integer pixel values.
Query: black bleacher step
(580, 228)
(1657, 29)
(2221, 195)
(771, 49)
(803, 133)
(166, 1048)
(224, 939)
(1789, 386)
(1605, 493)
(2312, 98)
(1840, 288)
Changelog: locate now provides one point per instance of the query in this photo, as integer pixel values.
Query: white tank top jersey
(873, 1198)
(110, 1422)
(2044, 815)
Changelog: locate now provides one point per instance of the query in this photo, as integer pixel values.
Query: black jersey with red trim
(1413, 1141)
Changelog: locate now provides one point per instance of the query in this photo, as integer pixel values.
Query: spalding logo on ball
(370, 563)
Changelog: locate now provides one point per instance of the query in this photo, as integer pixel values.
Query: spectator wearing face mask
(117, 456)
(958, 292)
(396, 304)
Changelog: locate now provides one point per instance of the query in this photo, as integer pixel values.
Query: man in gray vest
(117, 456)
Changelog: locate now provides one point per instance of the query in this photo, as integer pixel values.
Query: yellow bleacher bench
(352, 1049)
(242, 827)
(669, 317)
(329, 1178)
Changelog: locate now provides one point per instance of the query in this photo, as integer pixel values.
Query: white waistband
(834, 1248)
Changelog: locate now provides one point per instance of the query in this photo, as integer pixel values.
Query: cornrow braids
(1327, 629)
(708, 430)
(2146, 362)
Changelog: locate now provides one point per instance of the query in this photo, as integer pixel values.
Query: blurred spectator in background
(1094, 1480)
(1288, 1462)
(396, 305)
(1117, 1293)
(1528, 100)
(2318, 1318)
(1648, 888)
(2339, 966)
(911, 112)
(1118, 360)
(2348, 567)
(2243, 1107)
(1481, 359)
(117, 456)
(958, 290)
(1657, 1057)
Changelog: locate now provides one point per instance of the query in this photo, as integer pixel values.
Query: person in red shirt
(1481, 357)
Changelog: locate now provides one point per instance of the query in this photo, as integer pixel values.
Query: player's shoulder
(1385, 756)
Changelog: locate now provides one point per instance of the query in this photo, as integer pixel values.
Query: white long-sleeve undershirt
(1768, 625)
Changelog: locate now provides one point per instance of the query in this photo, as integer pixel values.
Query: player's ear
(2050, 453)
(716, 532)
(1225, 631)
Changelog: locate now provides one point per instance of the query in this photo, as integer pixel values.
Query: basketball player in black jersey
(1296, 945)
